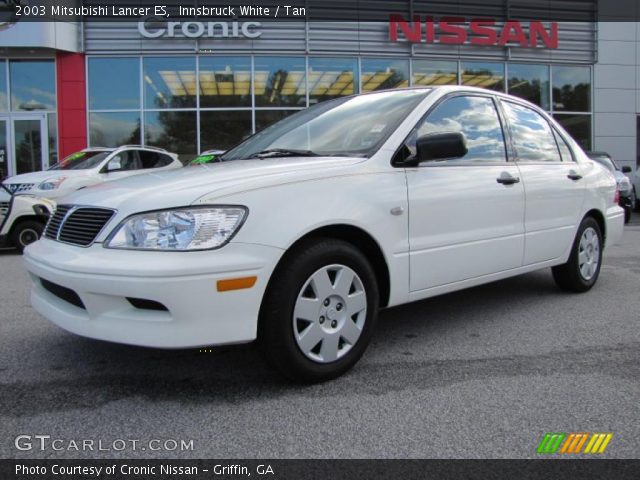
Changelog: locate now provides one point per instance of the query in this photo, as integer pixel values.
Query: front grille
(4, 208)
(20, 187)
(62, 293)
(77, 225)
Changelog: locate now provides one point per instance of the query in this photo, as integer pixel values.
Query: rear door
(465, 215)
(552, 181)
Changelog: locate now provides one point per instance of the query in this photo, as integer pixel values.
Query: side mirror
(626, 169)
(441, 146)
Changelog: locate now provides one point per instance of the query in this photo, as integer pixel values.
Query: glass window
(264, 118)
(223, 130)
(33, 85)
(82, 160)
(578, 126)
(153, 159)
(280, 81)
(4, 104)
(349, 126)
(476, 118)
(565, 150)
(173, 131)
(382, 74)
(125, 161)
(27, 137)
(484, 75)
(169, 82)
(332, 78)
(532, 135)
(225, 81)
(114, 129)
(530, 82)
(434, 72)
(571, 89)
(52, 121)
(114, 83)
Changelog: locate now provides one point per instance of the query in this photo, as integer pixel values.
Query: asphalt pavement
(481, 373)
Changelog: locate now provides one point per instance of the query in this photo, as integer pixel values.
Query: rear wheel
(25, 233)
(319, 311)
(581, 272)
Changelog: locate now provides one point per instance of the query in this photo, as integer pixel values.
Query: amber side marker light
(236, 283)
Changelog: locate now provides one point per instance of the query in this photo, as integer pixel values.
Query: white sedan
(302, 232)
(90, 167)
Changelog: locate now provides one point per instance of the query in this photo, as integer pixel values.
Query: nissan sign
(154, 28)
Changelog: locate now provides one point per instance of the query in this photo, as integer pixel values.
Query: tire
(26, 232)
(627, 215)
(319, 311)
(581, 272)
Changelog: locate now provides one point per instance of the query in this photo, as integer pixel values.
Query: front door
(466, 215)
(30, 146)
(24, 143)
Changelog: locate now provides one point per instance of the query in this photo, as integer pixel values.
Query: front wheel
(319, 311)
(581, 272)
(25, 233)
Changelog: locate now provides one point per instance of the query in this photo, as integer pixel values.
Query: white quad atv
(22, 218)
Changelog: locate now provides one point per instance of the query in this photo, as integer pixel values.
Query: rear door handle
(574, 176)
(506, 178)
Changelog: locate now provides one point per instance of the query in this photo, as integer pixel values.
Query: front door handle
(506, 178)
(573, 175)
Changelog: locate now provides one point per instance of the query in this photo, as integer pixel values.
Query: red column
(72, 105)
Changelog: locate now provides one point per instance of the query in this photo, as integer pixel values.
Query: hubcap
(27, 237)
(589, 253)
(329, 313)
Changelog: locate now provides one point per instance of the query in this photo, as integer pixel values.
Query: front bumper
(184, 282)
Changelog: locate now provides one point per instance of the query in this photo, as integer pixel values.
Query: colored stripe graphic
(551, 442)
(572, 443)
(598, 443)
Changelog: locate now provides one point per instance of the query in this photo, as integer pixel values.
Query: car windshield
(351, 126)
(81, 160)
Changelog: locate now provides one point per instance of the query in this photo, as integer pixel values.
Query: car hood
(38, 177)
(185, 186)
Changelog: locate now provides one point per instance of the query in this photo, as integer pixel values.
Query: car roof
(130, 147)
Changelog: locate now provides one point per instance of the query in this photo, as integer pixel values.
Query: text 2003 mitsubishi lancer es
(302, 232)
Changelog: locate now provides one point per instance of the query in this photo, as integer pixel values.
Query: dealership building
(193, 86)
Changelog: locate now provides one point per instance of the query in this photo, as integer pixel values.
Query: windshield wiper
(284, 152)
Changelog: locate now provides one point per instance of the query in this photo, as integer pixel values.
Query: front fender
(282, 214)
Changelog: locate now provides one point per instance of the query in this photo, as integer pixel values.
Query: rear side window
(476, 118)
(565, 151)
(532, 136)
(154, 159)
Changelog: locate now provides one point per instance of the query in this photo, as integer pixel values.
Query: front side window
(124, 161)
(532, 135)
(565, 150)
(350, 126)
(473, 116)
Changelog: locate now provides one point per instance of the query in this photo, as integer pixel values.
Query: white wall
(617, 90)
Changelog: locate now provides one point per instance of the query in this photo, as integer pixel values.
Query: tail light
(616, 196)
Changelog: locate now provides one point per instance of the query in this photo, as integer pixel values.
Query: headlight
(181, 229)
(51, 183)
